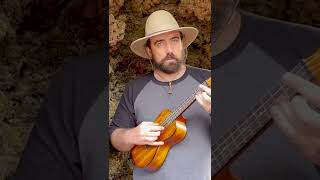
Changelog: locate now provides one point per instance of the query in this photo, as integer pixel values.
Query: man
(165, 45)
(250, 55)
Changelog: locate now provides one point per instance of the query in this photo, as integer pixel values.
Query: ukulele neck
(186, 103)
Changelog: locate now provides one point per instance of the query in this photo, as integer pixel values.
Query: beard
(170, 67)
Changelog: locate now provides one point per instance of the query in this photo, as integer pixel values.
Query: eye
(159, 44)
(175, 39)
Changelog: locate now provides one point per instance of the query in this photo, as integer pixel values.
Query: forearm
(121, 140)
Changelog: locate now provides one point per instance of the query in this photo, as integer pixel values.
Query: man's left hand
(297, 119)
(204, 97)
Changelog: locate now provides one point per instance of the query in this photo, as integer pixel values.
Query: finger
(156, 143)
(206, 89)
(144, 127)
(148, 123)
(205, 97)
(287, 109)
(199, 99)
(155, 128)
(149, 139)
(281, 120)
(309, 118)
(309, 90)
(153, 134)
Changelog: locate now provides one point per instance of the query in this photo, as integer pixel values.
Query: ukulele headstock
(208, 81)
(312, 63)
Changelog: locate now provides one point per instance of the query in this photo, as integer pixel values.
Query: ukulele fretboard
(179, 110)
(257, 118)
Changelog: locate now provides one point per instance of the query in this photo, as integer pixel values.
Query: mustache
(169, 56)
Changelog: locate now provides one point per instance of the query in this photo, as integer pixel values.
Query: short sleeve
(124, 116)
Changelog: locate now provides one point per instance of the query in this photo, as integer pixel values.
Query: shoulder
(82, 80)
(197, 70)
(135, 86)
(199, 74)
(140, 81)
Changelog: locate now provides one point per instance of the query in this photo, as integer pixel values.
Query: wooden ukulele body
(224, 174)
(152, 157)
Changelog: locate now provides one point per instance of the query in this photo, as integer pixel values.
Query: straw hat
(161, 22)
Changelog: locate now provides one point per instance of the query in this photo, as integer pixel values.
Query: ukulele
(152, 157)
(229, 146)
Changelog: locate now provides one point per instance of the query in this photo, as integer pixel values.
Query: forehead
(165, 35)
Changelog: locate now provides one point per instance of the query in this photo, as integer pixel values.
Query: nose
(169, 48)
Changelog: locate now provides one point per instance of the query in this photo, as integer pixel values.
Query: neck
(164, 77)
(228, 34)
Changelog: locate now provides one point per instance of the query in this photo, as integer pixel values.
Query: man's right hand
(146, 133)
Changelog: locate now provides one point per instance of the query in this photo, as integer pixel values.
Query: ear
(149, 52)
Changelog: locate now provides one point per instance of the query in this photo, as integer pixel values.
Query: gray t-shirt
(144, 99)
(262, 52)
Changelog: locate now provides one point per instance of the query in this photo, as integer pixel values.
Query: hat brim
(138, 46)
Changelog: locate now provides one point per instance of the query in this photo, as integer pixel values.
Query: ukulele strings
(185, 104)
(301, 66)
(172, 116)
(220, 163)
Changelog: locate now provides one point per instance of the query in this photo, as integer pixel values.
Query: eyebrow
(163, 39)
(175, 37)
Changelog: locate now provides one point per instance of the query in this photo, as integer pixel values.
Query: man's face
(167, 52)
